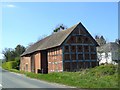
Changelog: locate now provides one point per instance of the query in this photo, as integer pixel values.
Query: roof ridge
(50, 41)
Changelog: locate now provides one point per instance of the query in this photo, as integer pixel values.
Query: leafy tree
(8, 54)
(11, 54)
(100, 40)
(19, 50)
(59, 28)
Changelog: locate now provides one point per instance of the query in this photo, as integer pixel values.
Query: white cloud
(9, 6)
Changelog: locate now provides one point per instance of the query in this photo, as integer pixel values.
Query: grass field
(104, 76)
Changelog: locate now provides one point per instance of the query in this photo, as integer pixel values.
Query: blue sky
(24, 23)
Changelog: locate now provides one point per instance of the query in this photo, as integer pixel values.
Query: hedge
(10, 65)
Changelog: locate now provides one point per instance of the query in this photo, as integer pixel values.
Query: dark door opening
(32, 64)
(44, 62)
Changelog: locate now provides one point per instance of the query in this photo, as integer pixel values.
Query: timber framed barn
(67, 50)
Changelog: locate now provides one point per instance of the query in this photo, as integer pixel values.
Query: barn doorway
(44, 62)
(33, 64)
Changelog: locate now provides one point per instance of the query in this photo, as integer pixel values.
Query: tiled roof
(51, 41)
(111, 46)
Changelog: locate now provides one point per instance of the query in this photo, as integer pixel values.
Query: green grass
(99, 77)
(104, 76)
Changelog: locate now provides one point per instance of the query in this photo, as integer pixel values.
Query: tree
(100, 40)
(8, 54)
(11, 54)
(59, 28)
(97, 37)
(19, 50)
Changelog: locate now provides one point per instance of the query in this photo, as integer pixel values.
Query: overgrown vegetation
(12, 57)
(10, 65)
(11, 54)
(59, 28)
(104, 76)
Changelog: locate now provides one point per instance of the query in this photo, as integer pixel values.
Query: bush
(10, 65)
(17, 59)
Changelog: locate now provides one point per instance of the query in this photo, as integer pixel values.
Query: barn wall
(31, 63)
(37, 57)
(79, 51)
(25, 64)
(55, 60)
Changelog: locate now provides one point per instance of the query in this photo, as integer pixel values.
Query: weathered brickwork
(55, 60)
(37, 61)
(25, 64)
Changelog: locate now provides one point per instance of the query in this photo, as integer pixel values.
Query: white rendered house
(108, 53)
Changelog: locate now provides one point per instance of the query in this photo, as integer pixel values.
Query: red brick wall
(55, 60)
(37, 57)
(25, 64)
